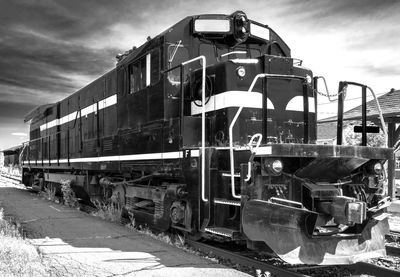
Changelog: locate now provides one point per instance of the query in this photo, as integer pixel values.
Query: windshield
(215, 54)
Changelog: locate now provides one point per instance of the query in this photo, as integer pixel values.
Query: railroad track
(393, 250)
(242, 260)
(236, 258)
(12, 178)
(374, 270)
(394, 238)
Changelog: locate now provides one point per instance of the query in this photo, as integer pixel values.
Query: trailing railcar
(11, 161)
(210, 128)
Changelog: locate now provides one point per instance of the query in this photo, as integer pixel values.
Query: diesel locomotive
(210, 128)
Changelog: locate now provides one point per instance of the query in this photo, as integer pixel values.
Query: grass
(50, 193)
(107, 211)
(17, 256)
(113, 213)
(174, 239)
(177, 240)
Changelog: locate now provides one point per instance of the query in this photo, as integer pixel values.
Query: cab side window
(135, 76)
(145, 71)
(155, 66)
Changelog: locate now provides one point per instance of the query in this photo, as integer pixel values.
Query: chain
(327, 94)
(343, 91)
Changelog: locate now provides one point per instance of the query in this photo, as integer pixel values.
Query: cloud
(19, 134)
(51, 48)
(10, 111)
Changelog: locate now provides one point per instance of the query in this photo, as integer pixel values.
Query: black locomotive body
(230, 154)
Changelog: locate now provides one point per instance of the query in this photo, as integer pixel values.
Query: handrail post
(49, 154)
(182, 104)
(364, 116)
(203, 122)
(231, 138)
(339, 132)
(41, 148)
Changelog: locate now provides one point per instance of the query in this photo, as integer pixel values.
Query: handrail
(344, 85)
(380, 115)
(233, 52)
(232, 164)
(28, 144)
(203, 122)
(253, 152)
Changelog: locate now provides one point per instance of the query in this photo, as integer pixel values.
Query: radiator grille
(108, 144)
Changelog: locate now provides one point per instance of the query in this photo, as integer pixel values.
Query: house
(390, 108)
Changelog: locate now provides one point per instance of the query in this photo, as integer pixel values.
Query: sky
(51, 48)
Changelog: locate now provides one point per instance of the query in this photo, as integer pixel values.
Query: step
(225, 232)
(236, 175)
(227, 202)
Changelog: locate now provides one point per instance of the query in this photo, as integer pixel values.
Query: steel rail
(375, 270)
(392, 250)
(242, 260)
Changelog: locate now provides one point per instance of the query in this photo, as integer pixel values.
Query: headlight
(274, 167)
(309, 79)
(240, 71)
(277, 166)
(378, 168)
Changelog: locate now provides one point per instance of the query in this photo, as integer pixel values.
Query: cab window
(144, 71)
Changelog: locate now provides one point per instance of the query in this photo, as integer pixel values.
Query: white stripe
(297, 104)
(107, 102)
(233, 98)
(134, 157)
(148, 69)
(266, 150)
(246, 61)
(64, 120)
(88, 110)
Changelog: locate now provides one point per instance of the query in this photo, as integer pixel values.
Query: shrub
(68, 194)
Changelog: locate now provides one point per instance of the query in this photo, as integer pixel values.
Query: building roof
(12, 150)
(389, 103)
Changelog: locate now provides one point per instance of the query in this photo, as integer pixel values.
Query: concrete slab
(394, 218)
(87, 246)
(394, 206)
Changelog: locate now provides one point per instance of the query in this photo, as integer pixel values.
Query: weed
(50, 193)
(68, 194)
(177, 240)
(107, 211)
(17, 256)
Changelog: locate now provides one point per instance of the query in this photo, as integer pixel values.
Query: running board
(227, 202)
(224, 232)
(236, 175)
